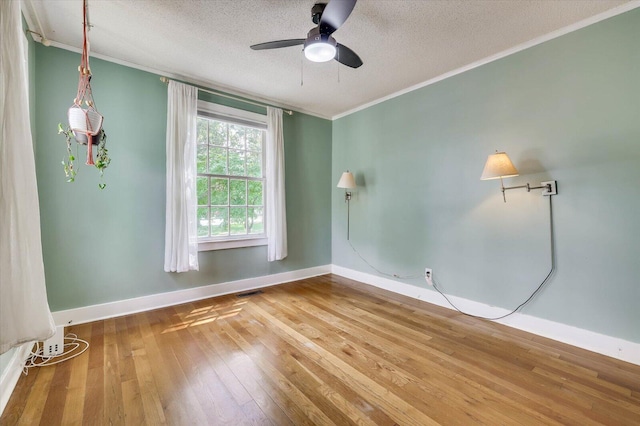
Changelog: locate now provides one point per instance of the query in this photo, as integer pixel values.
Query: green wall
(565, 110)
(102, 246)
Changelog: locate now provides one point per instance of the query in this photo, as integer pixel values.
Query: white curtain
(181, 238)
(276, 207)
(24, 310)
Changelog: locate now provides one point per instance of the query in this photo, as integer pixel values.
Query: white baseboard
(585, 339)
(11, 374)
(155, 301)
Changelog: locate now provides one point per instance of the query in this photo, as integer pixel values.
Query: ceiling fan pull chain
(302, 68)
(338, 65)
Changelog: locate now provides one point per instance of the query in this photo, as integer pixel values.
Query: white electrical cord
(71, 346)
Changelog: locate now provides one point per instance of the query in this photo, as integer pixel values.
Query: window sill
(230, 244)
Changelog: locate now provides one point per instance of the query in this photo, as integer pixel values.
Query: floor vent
(250, 293)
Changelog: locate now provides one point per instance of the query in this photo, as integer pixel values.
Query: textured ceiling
(402, 43)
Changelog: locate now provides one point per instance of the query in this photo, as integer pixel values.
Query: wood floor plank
(113, 402)
(55, 404)
(132, 403)
(76, 389)
(150, 399)
(35, 403)
(93, 409)
(321, 351)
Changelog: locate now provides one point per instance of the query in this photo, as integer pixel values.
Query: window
(231, 178)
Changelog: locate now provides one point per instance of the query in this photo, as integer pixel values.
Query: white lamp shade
(347, 180)
(498, 165)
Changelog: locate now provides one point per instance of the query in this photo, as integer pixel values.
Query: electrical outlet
(428, 275)
(553, 185)
(55, 344)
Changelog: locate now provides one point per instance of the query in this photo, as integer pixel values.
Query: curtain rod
(237, 98)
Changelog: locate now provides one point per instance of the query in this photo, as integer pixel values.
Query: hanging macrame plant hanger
(85, 123)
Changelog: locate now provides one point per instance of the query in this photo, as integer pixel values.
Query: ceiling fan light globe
(320, 51)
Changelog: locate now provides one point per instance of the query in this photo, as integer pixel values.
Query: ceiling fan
(320, 46)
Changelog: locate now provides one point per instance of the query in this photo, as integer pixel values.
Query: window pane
(236, 163)
(218, 161)
(230, 203)
(236, 136)
(217, 133)
(255, 220)
(255, 193)
(202, 184)
(254, 164)
(254, 139)
(202, 158)
(203, 221)
(202, 130)
(237, 220)
(219, 192)
(219, 221)
(238, 192)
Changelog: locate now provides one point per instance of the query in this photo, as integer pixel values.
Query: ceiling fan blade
(278, 44)
(347, 57)
(334, 15)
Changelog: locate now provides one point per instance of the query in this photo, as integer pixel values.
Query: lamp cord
(401, 277)
(536, 291)
(435, 284)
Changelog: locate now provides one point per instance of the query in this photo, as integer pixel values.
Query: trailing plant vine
(102, 157)
(68, 163)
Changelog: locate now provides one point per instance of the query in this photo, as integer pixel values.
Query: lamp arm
(549, 187)
(529, 187)
(517, 187)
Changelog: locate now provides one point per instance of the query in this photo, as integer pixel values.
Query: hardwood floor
(322, 351)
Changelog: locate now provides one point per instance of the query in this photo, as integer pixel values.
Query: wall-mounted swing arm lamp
(499, 166)
(347, 182)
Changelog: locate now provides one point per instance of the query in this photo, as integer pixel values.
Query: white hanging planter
(84, 122)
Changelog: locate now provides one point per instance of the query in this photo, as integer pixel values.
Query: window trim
(244, 118)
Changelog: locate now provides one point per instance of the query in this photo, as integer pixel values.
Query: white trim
(11, 374)
(160, 300)
(626, 7)
(230, 244)
(585, 339)
(232, 112)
